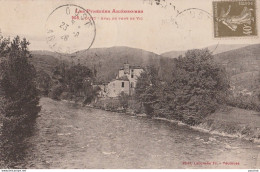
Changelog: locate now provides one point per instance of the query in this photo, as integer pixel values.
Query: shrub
(55, 92)
(124, 100)
(135, 106)
(65, 96)
(112, 105)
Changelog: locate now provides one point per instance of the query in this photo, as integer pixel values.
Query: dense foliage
(198, 85)
(43, 82)
(73, 82)
(19, 100)
(17, 83)
(147, 88)
(124, 100)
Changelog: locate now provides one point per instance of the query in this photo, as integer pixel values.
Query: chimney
(126, 68)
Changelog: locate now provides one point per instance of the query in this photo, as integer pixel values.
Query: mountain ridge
(242, 64)
(216, 49)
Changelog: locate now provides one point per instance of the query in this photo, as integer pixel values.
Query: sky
(160, 28)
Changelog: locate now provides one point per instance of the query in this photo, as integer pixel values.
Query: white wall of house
(114, 88)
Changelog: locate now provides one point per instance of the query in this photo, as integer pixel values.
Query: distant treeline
(72, 82)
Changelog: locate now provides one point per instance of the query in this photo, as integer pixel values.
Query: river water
(68, 136)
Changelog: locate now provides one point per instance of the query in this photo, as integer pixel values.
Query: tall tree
(196, 87)
(20, 97)
(79, 80)
(43, 82)
(199, 85)
(58, 81)
(147, 88)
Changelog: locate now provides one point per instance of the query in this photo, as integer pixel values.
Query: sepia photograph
(140, 84)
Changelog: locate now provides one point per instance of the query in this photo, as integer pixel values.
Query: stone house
(125, 81)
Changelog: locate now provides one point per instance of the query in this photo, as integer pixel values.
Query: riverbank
(234, 122)
(227, 121)
(231, 122)
(225, 127)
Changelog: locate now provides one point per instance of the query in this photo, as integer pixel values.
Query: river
(69, 136)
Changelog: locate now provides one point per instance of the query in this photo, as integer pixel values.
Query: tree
(19, 100)
(124, 100)
(195, 89)
(79, 79)
(17, 82)
(146, 89)
(43, 82)
(59, 83)
(199, 85)
(74, 82)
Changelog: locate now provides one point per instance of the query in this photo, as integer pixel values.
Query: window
(132, 70)
(123, 84)
(132, 76)
(132, 85)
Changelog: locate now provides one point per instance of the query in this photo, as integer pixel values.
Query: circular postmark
(195, 28)
(70, 28)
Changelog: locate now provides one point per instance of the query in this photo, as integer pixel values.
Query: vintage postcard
(140, 84)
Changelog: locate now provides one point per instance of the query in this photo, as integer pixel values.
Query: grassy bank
(234, 122)
(227, 121)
